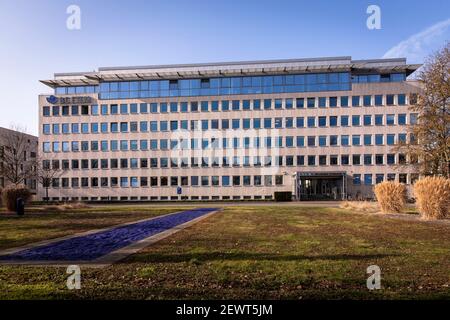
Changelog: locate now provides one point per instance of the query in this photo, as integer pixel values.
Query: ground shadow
(236, 256)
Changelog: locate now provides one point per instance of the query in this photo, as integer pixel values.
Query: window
(75, 110)
(401, 99)
(174, 107)
(379, 159)
(344, 121)
(322, 141)
(333, 121)
(333, 102)
(344, 101)
(390, 99)
(356, 179)
(256, 104)
(322, 121)
(311, 121)
(390, 158)
(356, 140)
(367, 120)
(379, 177)
(333, 160)
(278, 103)
(356, 101)
(390, 119)
(367, 179)
(311, 102)
(322, 102)
(378, 119)
(55, 111)
(367, 101)
(401, 119)
(367, 139)
(345, 140)
(378, 139)
(289, 103)
(300, 103)
(378, 100)
(345, 159)
(46, 111)
(356, 120)
(390, 139)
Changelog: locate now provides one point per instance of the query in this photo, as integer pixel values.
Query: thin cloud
(421, 44)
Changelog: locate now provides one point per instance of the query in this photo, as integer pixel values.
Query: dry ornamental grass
(433, 197)
(391, 196)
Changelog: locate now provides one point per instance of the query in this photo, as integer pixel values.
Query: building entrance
(321, 186)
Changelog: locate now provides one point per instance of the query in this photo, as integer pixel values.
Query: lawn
(261, 252)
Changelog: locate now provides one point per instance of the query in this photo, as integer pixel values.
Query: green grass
(264, 252)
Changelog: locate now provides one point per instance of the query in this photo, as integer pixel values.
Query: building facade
(28, 145)
(322, 128)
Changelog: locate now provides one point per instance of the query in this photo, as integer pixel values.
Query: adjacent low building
(27, 149)
(322, 128)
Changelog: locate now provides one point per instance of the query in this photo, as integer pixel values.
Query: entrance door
(319, 188)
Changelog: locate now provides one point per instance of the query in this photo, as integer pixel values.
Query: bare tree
(428, 149)
(16, 166)
(46, 171)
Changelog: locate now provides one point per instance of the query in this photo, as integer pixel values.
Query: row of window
(227, 105)
(174, 181)
(257, 161)
(161, 198)
(205, 181)
(227, 143)
(225, 124)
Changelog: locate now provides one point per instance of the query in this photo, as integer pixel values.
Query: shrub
(433, 197)
(391, 196)
(283, 196)
(12, 193)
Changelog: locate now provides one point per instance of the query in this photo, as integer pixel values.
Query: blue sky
(35, 43)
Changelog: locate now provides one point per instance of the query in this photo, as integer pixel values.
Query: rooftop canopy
(226, 69)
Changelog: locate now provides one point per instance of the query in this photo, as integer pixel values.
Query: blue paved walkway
(93, 246)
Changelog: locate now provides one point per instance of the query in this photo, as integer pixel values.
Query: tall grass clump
(11, 193)
(433, 197)
(391, 196)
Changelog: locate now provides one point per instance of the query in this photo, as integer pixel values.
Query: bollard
(20, 207)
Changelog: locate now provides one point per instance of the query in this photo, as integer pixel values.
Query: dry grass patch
(67, 206)
(391, 196)
(433, 197)
(361, 206)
